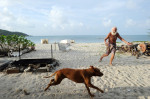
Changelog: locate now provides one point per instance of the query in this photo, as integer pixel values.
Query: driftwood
(12, 70)
(13, 53)
(5, 65)
(29, 65)
(136, 49)
(3, 53)
(145, 48)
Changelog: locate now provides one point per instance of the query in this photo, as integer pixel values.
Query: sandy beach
(128, 78)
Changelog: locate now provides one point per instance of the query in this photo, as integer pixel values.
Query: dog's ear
(92, 67)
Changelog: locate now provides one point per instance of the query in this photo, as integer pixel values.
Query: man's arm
(128, 43)
(106, 39)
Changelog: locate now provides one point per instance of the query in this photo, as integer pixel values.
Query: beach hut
(44, 41)
(64, 45)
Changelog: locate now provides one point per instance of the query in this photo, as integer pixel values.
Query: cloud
(63, 17)
(6, 27)
(22, 21)
(110, 5)
(139, 24)
(59, 19)
(107, 22)
(133, 4)
(7, 3)
(147, 23)
(6, 15)
(10, 22)
(4, 3)
(144, 24)
(130, 23)
(6, 18)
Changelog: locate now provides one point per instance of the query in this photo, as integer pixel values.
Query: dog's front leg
(86, 82)
(92, 95)
(90, 85)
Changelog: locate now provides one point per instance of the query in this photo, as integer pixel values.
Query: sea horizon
(84, 35)
(86, 38)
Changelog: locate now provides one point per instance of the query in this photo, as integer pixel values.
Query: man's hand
(106, 43)
(128, 43)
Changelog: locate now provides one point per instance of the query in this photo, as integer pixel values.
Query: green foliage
(2, 41)
(139, 41)
(14, 42)
(118, 42)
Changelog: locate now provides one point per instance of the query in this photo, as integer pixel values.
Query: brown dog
(76, 75)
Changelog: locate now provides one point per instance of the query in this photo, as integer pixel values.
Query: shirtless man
(111, 44)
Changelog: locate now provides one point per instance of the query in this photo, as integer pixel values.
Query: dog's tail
(50, 75)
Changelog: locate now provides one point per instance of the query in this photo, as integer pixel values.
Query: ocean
(87, 38)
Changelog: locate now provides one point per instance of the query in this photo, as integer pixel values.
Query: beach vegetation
(140, 41)
(85, 46)
(118, 42)
(14, 42)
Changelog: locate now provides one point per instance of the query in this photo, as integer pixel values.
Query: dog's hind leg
(52, 80)
(56, 81)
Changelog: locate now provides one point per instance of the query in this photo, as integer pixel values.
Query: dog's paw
(92, 95)
(45, 89)
(102, 91)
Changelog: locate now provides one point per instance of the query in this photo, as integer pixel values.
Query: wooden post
(55, 46)
(51, 51)
(19, 52)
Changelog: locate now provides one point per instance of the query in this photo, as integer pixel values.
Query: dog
(76, 75)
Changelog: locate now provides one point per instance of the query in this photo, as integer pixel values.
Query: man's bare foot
(110, 64)
(100, 60)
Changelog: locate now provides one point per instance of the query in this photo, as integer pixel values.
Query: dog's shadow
(126, 93)
(111, 93)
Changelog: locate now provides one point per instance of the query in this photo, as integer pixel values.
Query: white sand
(129, 78)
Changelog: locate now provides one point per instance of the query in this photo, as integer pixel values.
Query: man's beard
(113, 33)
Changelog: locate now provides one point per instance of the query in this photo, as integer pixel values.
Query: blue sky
(75, 17)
